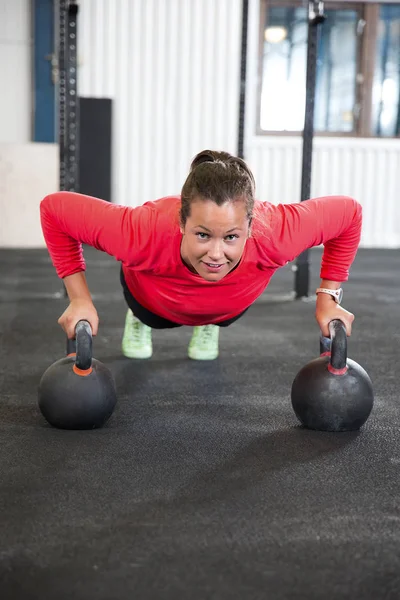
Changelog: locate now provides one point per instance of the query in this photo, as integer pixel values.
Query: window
(386, 83)
(358, 68)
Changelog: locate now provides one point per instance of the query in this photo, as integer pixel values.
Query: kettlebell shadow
(263, 458)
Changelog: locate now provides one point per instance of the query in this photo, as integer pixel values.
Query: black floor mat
(202, 486)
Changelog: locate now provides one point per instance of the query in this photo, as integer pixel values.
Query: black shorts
(155, 321)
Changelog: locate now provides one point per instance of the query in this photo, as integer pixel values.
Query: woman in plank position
(200, 258)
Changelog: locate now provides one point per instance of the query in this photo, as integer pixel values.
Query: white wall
(173, 71)
(28, 172)
(368, 171)
(15, 71)
(172, 68)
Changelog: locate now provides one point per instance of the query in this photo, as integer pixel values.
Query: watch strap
(336, 294)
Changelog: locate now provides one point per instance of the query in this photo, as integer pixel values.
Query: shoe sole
(138, 355)
(202, 356)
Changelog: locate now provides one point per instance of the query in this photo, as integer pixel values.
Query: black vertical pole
(62, 92)
(72, 98)
(68, 107)
(315, 18)
(243, 62)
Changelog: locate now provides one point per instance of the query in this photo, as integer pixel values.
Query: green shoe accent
(204, 343)
(136, 341)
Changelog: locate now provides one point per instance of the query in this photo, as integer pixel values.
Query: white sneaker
(136, 341)
(204, 343)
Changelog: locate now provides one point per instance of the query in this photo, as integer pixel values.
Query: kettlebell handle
(81, 345)
(336, 345)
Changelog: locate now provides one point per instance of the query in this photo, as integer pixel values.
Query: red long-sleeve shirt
(146, 240)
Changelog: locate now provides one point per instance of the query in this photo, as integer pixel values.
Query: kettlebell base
(73, 402)
(330, 429)
(323, 401)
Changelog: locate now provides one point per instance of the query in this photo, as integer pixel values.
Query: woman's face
(214, 237)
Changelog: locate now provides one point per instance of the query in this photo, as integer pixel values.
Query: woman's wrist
(328, 292)
(77, 287)
(323, 299)
(330, 285)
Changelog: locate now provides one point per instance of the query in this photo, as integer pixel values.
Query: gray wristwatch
(336, 294)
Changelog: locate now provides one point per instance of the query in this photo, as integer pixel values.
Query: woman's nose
(216, 251)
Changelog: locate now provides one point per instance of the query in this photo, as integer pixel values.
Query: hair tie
(202, 158)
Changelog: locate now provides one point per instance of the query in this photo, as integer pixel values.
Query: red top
(146, 239)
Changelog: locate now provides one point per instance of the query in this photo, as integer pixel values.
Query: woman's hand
(327, 310)
(79, 309)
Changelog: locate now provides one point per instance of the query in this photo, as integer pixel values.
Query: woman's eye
(205, 236)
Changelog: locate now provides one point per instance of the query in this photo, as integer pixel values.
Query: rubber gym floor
(203, 485)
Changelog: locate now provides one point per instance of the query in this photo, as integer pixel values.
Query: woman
(201, 258)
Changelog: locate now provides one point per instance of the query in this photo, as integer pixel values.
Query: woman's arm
(334, 221)
(69, 220)
(77, 287)
(327, 309)
(81, 306)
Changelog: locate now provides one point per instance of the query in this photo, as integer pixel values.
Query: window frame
(369, 13)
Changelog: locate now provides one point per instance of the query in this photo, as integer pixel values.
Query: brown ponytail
(220, 177)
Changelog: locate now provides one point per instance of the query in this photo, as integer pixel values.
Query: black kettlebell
(78, 391)
(332, 392)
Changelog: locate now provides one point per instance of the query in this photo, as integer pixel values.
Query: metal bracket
(316, 13)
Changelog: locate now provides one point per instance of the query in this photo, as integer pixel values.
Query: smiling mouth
(213, 267)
